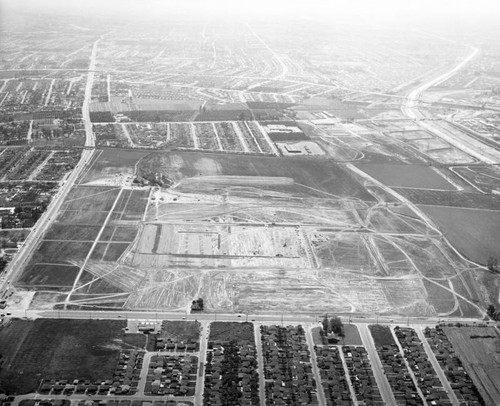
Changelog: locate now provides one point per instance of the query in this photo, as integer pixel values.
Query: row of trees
(197, 305)
(333, 326)
(493, 313)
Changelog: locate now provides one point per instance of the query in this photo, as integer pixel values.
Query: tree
(325, 325)
(197, 305)
(492, 264)
(490, 311)
(336, 326)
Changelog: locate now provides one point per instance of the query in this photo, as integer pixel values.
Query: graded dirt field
(59, 349)
(479, 351)
(412, 176)
(475, 233)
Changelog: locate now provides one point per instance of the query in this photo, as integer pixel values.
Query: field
(475, 233)
(479, 351)
(59, 349)
(229, 331)
(317, 178)
(411, 176)
(485, 178)
(451, 198)
(66, 245)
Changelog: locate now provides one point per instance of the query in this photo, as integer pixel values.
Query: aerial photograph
(223, 203)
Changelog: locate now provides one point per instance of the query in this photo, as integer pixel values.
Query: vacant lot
(475, 233)
(411, 176)
(59, 349)
(228, 331)
(19, 235)
(181, 330)
(381, 335)
(109, 163)
(479, 351)
(352, 336)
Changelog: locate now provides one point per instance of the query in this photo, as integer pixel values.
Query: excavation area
(246, 234)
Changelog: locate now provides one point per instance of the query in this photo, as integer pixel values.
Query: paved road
(317, 376)
(408, 368)
(260, 362)
(436, 366)
(378, 371)
(348, 377)
(202, 361)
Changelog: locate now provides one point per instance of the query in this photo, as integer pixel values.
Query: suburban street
(378, 371)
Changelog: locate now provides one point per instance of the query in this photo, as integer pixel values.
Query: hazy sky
(376, 7)
(458, 12)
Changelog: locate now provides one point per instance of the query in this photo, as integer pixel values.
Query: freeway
(18, 263)
(460, 140)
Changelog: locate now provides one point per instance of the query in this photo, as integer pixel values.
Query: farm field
(310, 177)
(451, 198)
(70, 240)
(473, 232)
(59, 348)
(411, 176)
(479, 351)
